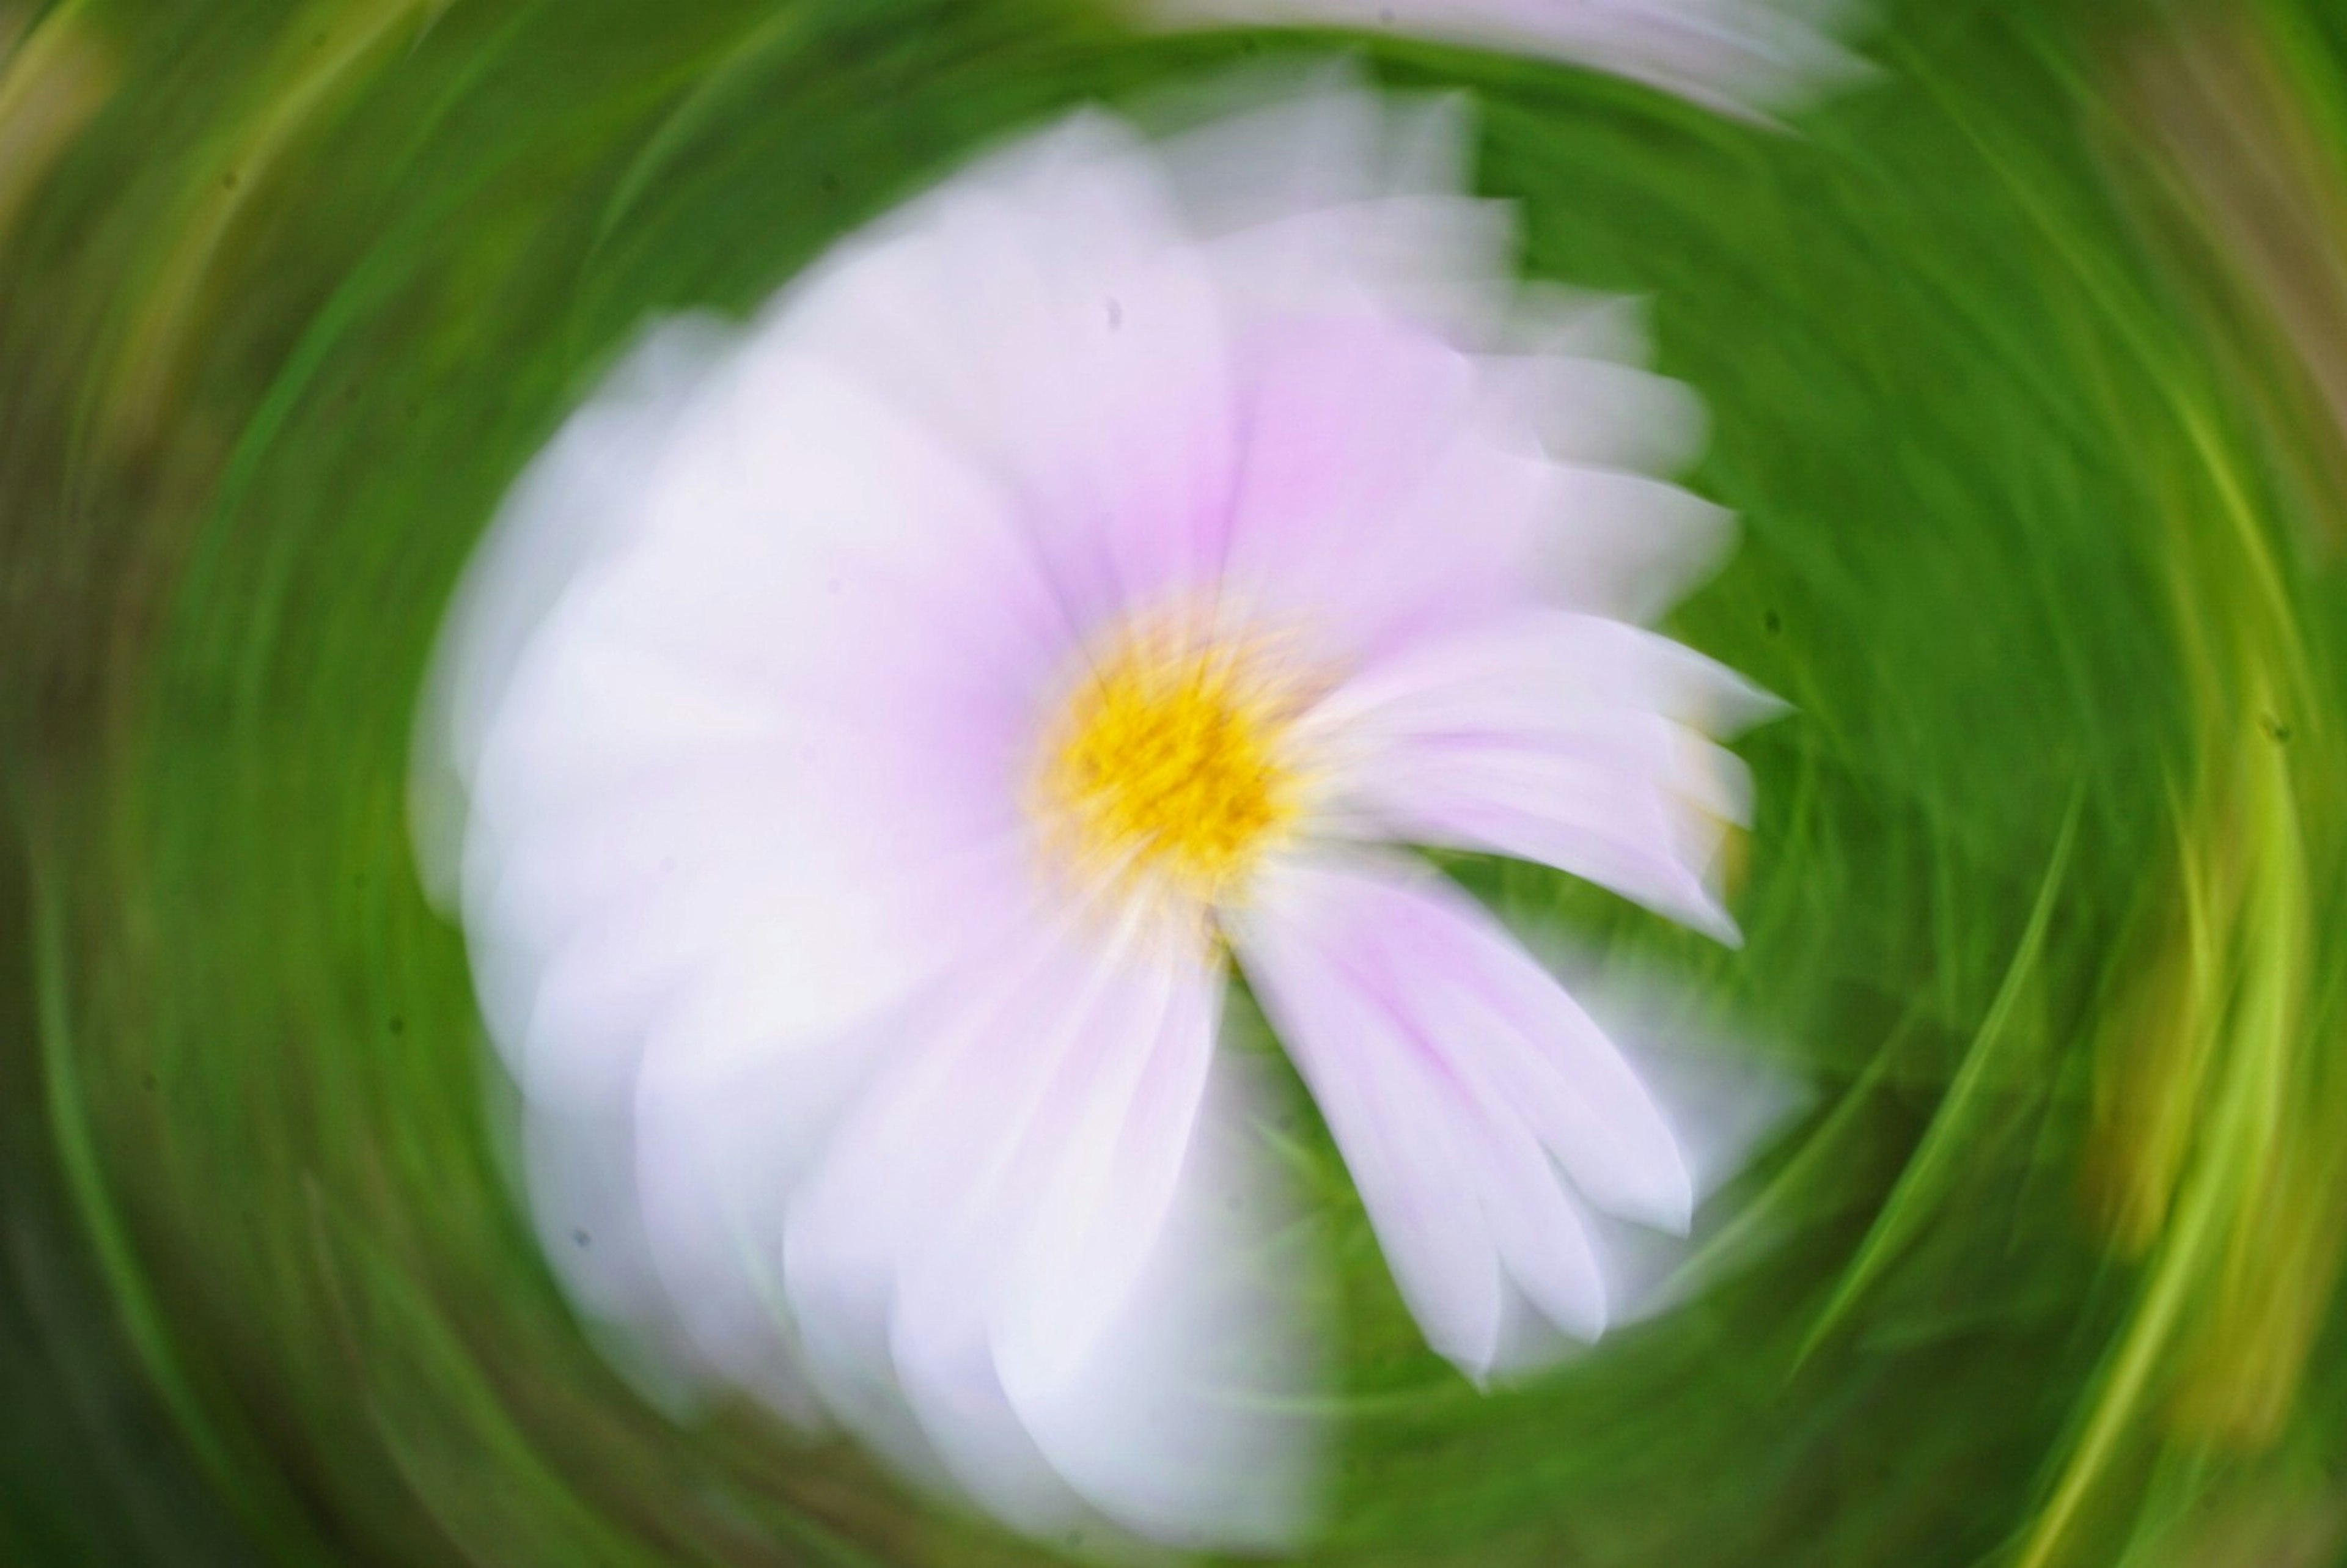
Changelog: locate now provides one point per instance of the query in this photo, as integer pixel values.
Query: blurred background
(2025, 352)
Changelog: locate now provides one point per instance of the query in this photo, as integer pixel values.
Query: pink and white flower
(878, 733)
(1742, 57)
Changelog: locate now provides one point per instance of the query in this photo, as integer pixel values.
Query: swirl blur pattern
(2019, 359)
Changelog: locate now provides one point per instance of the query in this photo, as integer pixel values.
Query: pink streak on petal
(1571, 740)
(1452, 1069)
(1406, 1139)
(1370, 505)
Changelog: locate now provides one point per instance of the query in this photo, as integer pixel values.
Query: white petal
(1191, 1422)
(1452, 1069)
(1629, 547)
(1047, 314)
(970, 1247)
(1408, 1141)
(1593, 414)
(1329, 199)
(742, 733)
(581, 494)
(1569, 740)
(1736, 55)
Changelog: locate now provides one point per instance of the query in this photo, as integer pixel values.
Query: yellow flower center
(1171, 761)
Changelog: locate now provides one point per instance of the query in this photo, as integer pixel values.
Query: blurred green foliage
(2026, 415)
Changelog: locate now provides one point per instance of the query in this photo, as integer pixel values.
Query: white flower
(877, 731)
(1739, 56)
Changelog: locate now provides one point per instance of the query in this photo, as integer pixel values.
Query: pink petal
(1453, 1070)
(1374, 503)
(1734, 56)
(1571, 740)
(1049, 315)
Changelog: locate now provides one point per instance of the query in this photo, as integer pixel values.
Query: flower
(878, 733)
(1739, 56)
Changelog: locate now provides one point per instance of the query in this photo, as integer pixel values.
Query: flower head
(880, 731)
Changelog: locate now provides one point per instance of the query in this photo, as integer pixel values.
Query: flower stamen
(1171, 761)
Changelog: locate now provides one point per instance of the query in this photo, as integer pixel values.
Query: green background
(2016, 355)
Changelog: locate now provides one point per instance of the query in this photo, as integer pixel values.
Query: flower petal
(1191, 1422)
(1337, 201)
(971, 1242)
(745, 729)
(1626, 546)
(1374, 504)
(1735, 55)
(1048, 314)
(1452, 1070)
(1571, 740)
